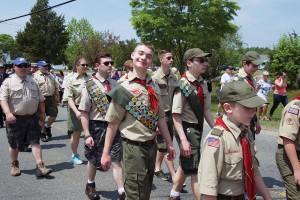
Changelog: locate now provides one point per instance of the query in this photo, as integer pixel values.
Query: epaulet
(297, 103)
(217, 132)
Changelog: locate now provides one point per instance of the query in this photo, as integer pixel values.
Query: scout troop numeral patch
(294, 111)
(140, 111)
(99, 99)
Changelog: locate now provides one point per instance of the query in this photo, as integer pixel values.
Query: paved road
(68, 181)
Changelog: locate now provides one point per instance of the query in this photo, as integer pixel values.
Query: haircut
(101, 55)
(128, 66)
(162, 53)
(77, 63)
(150, 46)
(61, 72)
(280, 74)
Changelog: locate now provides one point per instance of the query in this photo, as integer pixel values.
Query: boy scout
(288, 152)
(166, 82)
(228, 166)
(20, 100)
(135, 109)
(191, 104)
(93, 107)
(49, 88)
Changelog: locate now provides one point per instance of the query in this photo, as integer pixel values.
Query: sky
(261, 22)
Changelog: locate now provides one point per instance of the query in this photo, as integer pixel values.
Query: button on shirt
(221, 169)
(181, 105)
(131, 128)
(86, 103)
(22, 95)
(46, 83)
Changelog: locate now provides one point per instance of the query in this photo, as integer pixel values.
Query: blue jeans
(277, 99)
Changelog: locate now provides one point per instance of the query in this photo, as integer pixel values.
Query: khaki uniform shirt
(290, 123)
(166, 84)
(181, 105)
(23, 95)
(242, 76)
(74, 86)
(221, 168)
(46, 83)
(129, 127)
(87, 104)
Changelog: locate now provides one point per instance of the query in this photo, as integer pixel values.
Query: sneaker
(15, 170)
(90, 191)
(42, 170)
(160, 174)
(44, 137)
(174, 198)
(76, 160)
(122, 196)
(48, 132)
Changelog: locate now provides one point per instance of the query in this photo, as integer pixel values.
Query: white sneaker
(76, 160)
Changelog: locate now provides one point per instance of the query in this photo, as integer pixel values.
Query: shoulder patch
(294, 111)
(289, 121)
(217, 132)
(213, 142)
(297, 103)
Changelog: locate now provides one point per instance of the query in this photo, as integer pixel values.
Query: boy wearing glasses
(166, 82)
(21, 100)
(93, 107)
(191, 104)
(49, 87)
(136, 110)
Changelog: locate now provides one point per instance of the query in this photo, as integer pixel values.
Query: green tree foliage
(286, 58)
(122, 51)
(178, 25)
(45, 36)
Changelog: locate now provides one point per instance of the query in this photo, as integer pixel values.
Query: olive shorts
(74, 123)
(161, 144)
(51, 106)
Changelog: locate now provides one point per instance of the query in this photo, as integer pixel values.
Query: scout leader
(228, 168)
(136, 111)
(191, 104)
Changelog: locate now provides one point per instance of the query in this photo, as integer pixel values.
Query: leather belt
(148, 143)
(225, 197)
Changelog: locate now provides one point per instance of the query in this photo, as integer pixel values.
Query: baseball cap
(228, 67)
(20, 60)
(242, 93)
(42, 63)
(265, 73)
(194, 53)
(254, 57)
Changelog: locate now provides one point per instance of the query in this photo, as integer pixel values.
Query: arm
(209, 197)
(208, 117)
(162, 125)
(42, 113)
(73, 107)
(185, 149)
(290, 149)
(85, 125)
(10, 118)
(279, 82)
(111, 131)
(262, 188)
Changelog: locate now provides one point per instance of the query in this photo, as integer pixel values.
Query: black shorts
(26, 128)
(98, 132)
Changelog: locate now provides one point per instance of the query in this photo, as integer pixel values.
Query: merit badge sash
(140, 110)
(98, 97)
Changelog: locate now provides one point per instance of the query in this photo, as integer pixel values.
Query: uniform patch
(213, 142)
(136, 92)
(293, 111)
(289, 121)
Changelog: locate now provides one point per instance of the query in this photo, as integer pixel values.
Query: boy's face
(142, 58)
(250, 68)
(105, 66)
(240, 113)
(167, 60)
(198, 65)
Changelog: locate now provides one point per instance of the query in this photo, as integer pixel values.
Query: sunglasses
(169, 57)
(23, 66)
(84, 65)
(201, 60)
(109, 62)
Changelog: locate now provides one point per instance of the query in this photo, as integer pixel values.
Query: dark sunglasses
(201, 60)
(169, 57)
(84, 65)
(109, 62)
(23, 66)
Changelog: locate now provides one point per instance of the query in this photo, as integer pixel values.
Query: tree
(45, 36)
(180, 25)
(122, 51)
(286, 58)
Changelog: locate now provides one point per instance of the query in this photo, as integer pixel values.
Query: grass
(267, 125)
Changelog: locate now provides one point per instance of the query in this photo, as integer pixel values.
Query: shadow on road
(61, 166)
(270, 182)
(52, 146)
(108, 194)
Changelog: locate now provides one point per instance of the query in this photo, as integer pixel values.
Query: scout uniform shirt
(166, 84)
(180, 104)
(46, 83)
(130, 127)
(242, 76)
(88, 105)
(290, 123)
(22, 95)
(74, 86)
(221, 169)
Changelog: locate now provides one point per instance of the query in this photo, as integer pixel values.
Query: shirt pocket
(163, 89)
(16, 92)
(33, 91)
(77, 88)
(233, 167)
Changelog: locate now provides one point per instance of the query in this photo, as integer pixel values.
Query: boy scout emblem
(294, 111)
(98, 97)
(289, 121)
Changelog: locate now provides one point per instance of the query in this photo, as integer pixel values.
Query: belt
(280, 146)
(148, 143)
(191, 125)
(168, 113)
(225, 197)
(24, 116)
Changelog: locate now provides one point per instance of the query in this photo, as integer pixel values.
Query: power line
(37, 11)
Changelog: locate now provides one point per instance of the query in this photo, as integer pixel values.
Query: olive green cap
(254, 57)
(242, 93)
(195, 53)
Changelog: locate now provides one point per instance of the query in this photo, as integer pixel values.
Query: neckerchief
(199, 88)
(297, 97)
(250, 81)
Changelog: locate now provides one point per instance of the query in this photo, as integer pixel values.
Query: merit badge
(293, 111)
(289, 121)
(213, 142)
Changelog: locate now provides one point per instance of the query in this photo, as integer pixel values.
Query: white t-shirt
(226, 78)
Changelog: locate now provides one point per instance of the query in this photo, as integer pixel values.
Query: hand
(42, 117)
(89, 142)
(185, 149)
(157, 131)
(10, 118)
(171, 152)
(78, 115)
(297, 176)
(105, 161)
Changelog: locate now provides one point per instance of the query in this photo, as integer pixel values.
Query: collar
(131, 76)
(161, 73)
(77, 75)
(233, 128)
(101, 79)
(192, 78)
(20, 80)
(242, 73)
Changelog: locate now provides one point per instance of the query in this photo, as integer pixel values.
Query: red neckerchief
(199, 88)
(107, 86)
(297, 97)
(250, 81)
(248, 163)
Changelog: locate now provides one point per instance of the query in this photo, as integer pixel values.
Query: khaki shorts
(51, 106)
(74, 123)
(161, 144)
